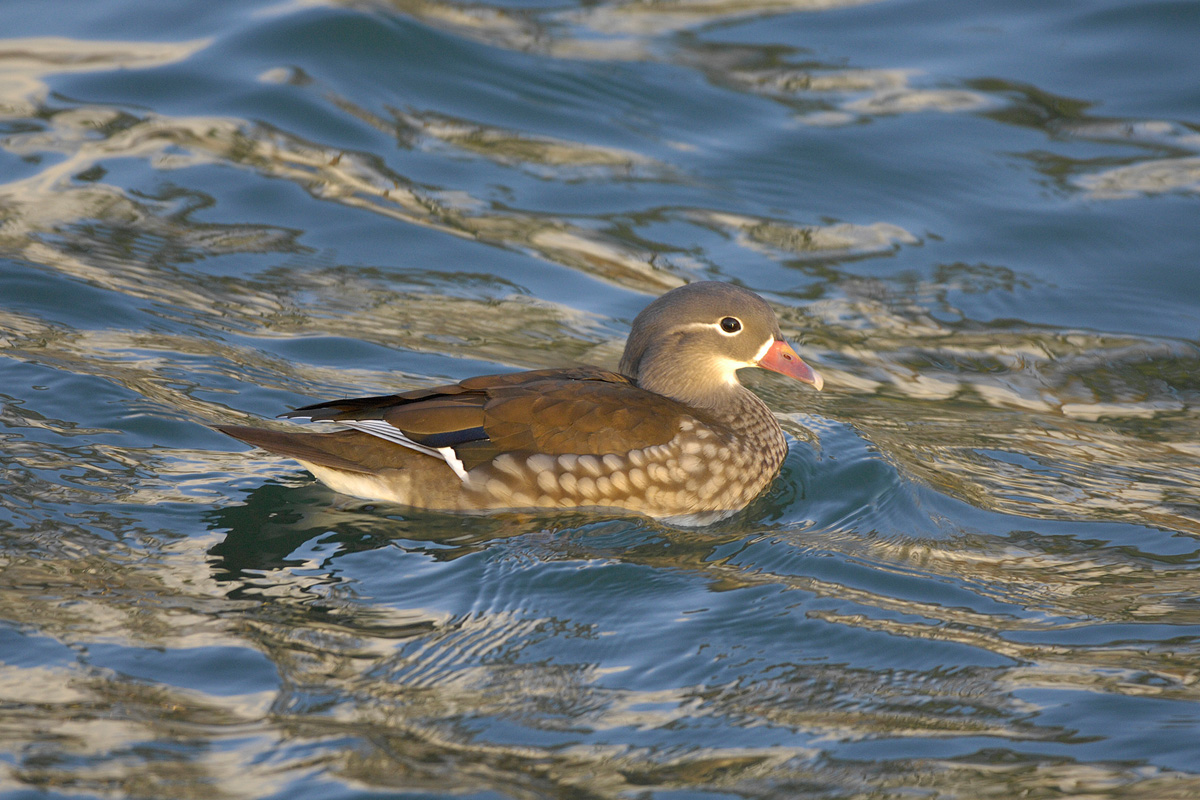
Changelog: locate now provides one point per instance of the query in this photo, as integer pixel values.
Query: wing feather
(582, 410)
(386, 431)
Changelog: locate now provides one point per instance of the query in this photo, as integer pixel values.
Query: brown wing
(585, 410)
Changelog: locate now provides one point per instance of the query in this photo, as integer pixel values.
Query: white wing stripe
(453, 460)
(385, 430)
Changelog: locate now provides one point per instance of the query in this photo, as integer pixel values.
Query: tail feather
(315, 448)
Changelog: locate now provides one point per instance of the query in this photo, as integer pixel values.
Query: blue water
(977, 575)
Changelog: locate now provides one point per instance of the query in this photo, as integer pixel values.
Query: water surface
(976, 576)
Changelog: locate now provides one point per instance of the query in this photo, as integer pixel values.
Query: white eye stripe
(697, 326)
(715, 326)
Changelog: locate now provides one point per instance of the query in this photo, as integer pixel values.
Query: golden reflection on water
(816, 241)
(1043, 424)
(552, 158)
(608, 31)
(52, 199)
(24, 61)
(1153, 177)
(405, 706)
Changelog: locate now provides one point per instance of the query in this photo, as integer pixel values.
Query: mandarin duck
(672, 434)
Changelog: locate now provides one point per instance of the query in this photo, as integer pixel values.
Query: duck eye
(731, 324)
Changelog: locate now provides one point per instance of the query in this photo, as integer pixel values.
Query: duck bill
(782, 358)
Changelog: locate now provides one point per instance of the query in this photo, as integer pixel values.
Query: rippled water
(978, 575)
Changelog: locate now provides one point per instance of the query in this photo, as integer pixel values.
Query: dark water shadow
(301, 525)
